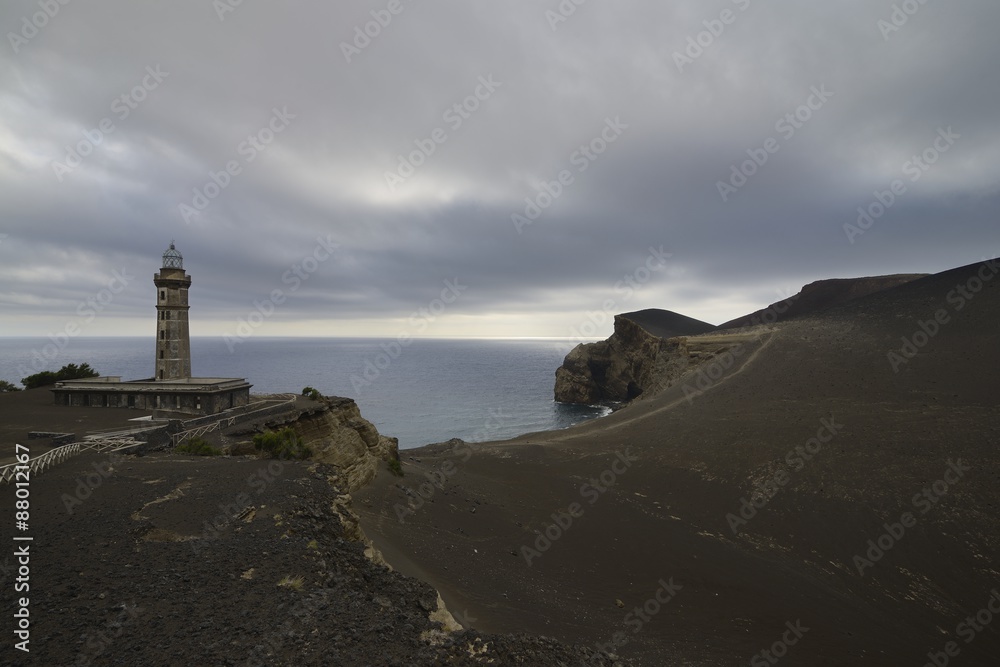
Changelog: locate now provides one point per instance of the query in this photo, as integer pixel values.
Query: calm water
(428, 392)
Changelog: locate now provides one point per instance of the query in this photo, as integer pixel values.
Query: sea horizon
(430, 390)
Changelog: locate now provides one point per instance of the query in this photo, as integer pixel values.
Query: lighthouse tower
(173, 339)
(172, 388)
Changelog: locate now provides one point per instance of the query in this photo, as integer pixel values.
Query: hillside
(666, 323)
(839, 473)
(649, 349)
(819, 296)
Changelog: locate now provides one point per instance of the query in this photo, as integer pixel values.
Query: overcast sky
(112, 115)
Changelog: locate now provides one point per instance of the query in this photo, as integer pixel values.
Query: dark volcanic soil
(891, 441)
(821, 295)
(138, 575)
(874, 537)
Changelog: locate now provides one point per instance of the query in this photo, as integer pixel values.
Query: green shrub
(6, 387)
(67, 372)
(198, 447)
(395, 467)
(312, 393)
(283, 444)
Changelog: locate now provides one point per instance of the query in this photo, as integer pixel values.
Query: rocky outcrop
(633, 361)
(335, 431)
(651, 347)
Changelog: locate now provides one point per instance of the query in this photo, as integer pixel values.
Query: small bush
(395, 467)
(283, 444)
(6, 387)
(312, 393)
(198, 447)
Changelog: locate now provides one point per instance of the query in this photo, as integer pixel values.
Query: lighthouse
(173, 338)
(172, 390)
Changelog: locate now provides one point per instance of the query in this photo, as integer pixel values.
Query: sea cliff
(650, 348)
(645, 351)
(337, 434)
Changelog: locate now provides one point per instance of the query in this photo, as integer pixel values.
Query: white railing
(226, 422)
(183, 436)
(40, 463)
(60, 454)
(113, 444)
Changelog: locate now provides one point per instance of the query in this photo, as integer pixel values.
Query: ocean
(429, 391)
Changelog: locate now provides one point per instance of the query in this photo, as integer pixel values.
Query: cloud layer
(256, 135)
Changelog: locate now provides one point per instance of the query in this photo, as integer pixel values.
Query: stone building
(171, 388)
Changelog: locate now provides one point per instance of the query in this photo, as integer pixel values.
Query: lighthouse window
(166, 314)
(163, 295)
(162, 335)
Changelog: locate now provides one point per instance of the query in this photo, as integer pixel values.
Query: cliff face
(616, 369)
(335, 431)
(631, 362)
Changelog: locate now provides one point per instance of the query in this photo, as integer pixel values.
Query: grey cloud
(325, 174)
